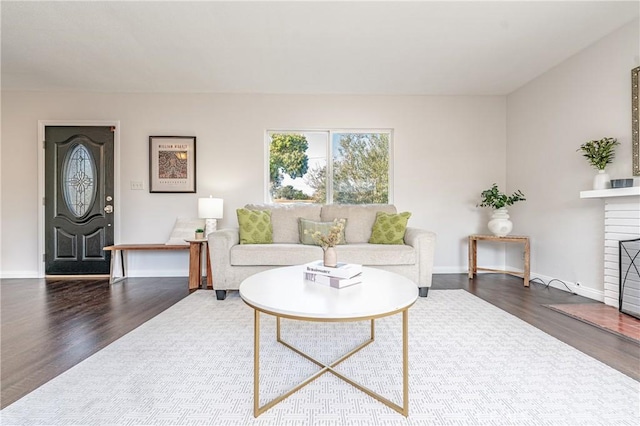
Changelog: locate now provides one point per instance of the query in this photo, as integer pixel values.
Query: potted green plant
(599, 153)
(499, 225)
(199, 234)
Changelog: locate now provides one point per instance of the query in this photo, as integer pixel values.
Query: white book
(343, 270)
(332, 281)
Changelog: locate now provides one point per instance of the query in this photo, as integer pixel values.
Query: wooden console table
(473, 255)
(194, 264)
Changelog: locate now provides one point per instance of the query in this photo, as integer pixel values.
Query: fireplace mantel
(606, 193)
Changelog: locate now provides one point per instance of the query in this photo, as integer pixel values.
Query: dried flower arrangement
(333, 238)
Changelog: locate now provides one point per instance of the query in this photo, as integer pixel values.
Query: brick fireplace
(621, 222)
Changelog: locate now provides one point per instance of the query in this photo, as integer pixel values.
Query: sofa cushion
(284, 219)
(377, 254)
(360, 218)
(273, 254)
(255, 226)
(308, 227)
(389, 228)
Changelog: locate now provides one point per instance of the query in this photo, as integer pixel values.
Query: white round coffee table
(283, 293)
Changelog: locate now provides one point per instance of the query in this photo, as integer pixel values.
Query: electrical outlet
(137, 185)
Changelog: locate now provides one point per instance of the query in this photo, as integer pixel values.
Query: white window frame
(329, 156)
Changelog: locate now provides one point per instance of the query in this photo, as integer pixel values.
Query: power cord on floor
(533, 280)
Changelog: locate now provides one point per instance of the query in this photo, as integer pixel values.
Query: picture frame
(172, 164)
(635, 121)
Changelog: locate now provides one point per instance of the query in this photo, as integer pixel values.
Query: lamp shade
(210, 208)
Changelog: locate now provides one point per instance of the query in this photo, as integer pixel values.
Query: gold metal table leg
(405, 363)
(404, 409)
(256, 364)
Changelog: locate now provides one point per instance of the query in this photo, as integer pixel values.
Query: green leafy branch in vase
(599, 153)
(495, 199)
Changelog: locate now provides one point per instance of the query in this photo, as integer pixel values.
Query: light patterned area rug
(470, 363)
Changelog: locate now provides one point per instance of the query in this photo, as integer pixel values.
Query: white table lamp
(211, 210)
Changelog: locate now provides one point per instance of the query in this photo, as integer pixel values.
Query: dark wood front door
(79, 173)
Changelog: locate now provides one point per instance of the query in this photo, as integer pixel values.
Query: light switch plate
(137, 185)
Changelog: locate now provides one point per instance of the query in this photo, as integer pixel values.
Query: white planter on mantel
(601, 180)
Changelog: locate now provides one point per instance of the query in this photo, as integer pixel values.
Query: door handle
(108, 208)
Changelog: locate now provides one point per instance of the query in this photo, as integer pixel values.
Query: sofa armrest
(220, 243)
(415, 236)
(424, 242)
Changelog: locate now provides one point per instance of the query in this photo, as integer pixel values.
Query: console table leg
(124, 274)
(527, 263)
(472, 257)
(209, 277)
(111, 267)
(114, 260)
(195, 265)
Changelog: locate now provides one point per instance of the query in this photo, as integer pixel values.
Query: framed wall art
(635, 121)
(172, 164)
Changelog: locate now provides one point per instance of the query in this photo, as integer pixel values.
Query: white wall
(446, 149)
(586, 97)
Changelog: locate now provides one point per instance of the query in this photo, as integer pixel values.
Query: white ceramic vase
(500, 225)
(330, 257)
(601, 180)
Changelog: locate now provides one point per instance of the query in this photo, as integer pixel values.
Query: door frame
(41, 183)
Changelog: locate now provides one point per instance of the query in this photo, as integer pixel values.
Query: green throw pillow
(255, 226)
(311, 226)
(389, 228)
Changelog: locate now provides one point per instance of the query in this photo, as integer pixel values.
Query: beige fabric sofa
(232, 262)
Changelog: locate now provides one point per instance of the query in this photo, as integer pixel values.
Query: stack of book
(343, 275)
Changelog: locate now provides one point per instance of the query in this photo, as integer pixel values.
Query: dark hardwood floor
(49, 326)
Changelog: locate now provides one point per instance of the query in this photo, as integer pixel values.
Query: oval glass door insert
(79, 181)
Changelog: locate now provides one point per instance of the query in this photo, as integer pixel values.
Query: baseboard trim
(146, 273)
(580, 290)
(450, 270)
(77, 277)
(19, 274)
(465, 270)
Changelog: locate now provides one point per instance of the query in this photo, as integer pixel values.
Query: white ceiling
(449, 48)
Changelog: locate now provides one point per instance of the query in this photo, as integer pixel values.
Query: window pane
(297, 166)
(78, 180)
(329, 167)
(360, 168)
